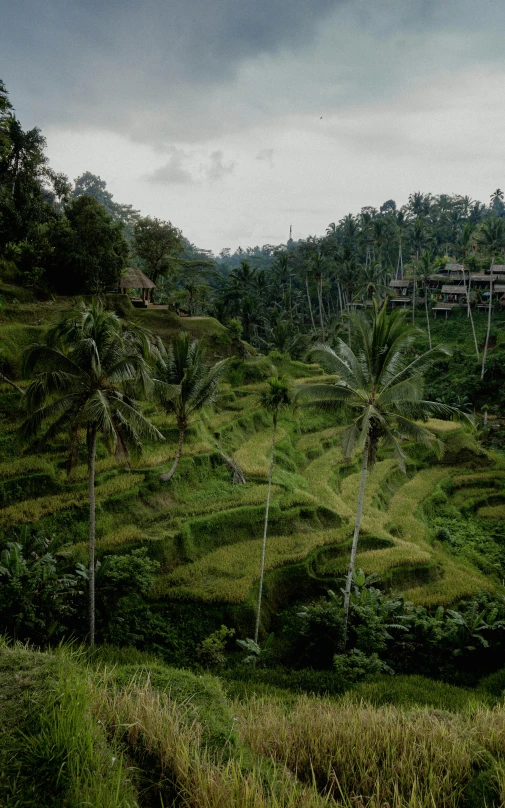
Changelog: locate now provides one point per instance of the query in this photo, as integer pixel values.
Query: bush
(355, 666)
(494, 683)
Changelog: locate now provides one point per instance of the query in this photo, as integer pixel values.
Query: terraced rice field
(206, 532)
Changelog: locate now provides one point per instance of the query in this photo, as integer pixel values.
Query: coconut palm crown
(183, 365)
(380, 388)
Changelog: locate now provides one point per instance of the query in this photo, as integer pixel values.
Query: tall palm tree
(276, 397)
(85, 374)
(492, 238)
(381, 385)
(183, 367)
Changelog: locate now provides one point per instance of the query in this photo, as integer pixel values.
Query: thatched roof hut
(135, 279)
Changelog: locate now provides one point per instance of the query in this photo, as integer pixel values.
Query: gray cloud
(92, 53)
(181, 170)
(188, 70)
(267, 156)
(172, 172)
(217, 168)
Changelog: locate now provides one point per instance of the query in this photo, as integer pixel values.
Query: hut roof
(500, 268)
(135, 279)
(500, 287)
(453, 290)
(454, 267)
(397, 284)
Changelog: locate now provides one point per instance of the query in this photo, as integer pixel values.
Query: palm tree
(85, 373)
(276, 397)
(492, 237)
(382, 386)
(183, 367)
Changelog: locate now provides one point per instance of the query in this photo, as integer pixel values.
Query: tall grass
(164, 739)
(375, 757)
(61, 752)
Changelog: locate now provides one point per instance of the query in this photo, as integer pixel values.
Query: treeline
(73, 238)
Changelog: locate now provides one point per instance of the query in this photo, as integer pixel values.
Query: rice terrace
(252, 499)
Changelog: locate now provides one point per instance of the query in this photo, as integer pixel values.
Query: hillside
(435, 533)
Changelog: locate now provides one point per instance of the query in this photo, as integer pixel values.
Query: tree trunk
(427, 313)
(168, 476)
(489, 312)
(264, 546)
(321, 313)
(8, 381)
(91, 483)
(469, 313)
(414, 291)
(354, 547)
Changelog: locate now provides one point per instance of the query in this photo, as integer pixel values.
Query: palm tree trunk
(168, 476)
(8, 381)
(469, 313)
(489, 312)
(264, 546)
(321, 313)
(414, 290)
(91, 483)
(427, 313)
(354, 547)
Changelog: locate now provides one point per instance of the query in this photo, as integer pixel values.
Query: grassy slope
(206, 532)
(119, 730)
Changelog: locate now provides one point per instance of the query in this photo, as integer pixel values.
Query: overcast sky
(235, 119)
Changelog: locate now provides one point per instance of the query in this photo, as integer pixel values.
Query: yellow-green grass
(24, 465)
(372, 757)
(253, 456)
(321, 378)
(123, 535)
(34, 509)
(167, 324)
(318, 474)
(475, 478)
(401, 517)
(402, 554)
(241, 495)
(457, 580)
(228, 573)
(315, 439)
(492, 511)
(437, 425)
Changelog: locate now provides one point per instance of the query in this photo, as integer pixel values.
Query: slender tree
(381, 385)
(85, 374)
(275, 398)
(492, 238)
(183, 367)
(426, 271)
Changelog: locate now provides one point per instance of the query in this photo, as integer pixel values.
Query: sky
(238, 119)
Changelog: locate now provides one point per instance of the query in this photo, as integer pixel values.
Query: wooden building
(134, 279)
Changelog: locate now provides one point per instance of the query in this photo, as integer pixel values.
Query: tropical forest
(252, 504)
